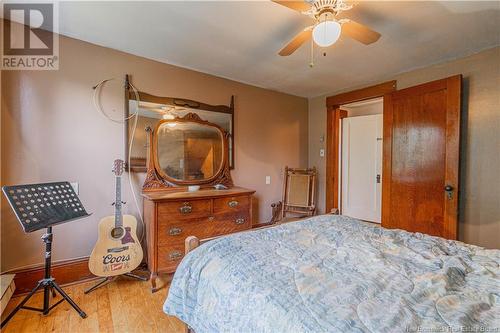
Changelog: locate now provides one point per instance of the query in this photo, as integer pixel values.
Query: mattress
(336, 274)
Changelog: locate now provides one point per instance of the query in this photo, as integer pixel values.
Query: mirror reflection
(151, 113)
(189, 151)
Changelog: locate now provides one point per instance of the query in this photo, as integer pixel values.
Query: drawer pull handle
(174, 231)
(186, 208)
(239, 221)
(211, 218)
(175, 255)
(232, 203)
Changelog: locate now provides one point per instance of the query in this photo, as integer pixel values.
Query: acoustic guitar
(118, 250)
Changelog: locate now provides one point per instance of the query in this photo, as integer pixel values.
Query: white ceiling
(240, 40)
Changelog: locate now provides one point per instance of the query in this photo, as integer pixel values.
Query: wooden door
(421, 158)
(362, 167)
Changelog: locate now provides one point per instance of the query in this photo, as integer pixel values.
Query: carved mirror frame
(157, 179)
(173, 101)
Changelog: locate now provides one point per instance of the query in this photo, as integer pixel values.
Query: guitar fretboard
(118, 203)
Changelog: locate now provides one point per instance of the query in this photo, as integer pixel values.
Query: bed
(332, 273)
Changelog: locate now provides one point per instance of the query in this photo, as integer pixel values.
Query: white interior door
(362, 167)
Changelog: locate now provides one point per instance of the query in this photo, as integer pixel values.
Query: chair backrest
(299, 187)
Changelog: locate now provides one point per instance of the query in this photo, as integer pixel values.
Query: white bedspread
(336, 274)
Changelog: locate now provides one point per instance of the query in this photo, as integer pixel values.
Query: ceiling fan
(327, 28)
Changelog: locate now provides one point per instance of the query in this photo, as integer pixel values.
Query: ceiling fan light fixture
(326, 33)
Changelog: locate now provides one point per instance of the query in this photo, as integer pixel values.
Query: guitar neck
(118, 202)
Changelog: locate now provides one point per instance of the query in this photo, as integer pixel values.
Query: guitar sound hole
(117, 232)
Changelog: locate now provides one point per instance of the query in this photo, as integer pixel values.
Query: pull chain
(311, 64)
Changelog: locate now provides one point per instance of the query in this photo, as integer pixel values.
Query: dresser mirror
(152, 109)
(188, 151)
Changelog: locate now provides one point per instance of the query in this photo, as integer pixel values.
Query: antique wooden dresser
(171, 217)
(189, 153)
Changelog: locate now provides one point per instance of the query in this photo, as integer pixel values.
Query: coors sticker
(115, 262)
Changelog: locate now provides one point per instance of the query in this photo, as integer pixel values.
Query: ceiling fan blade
(296, 42)
(360, 32)
(299, 6)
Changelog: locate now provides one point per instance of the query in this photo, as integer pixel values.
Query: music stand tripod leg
(48, 281)
(20, 305)
(68, 299)
(53, 292)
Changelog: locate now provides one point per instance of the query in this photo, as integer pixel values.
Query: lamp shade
(326, 33)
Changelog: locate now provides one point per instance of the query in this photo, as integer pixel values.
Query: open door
(421, 158)
(362, 167)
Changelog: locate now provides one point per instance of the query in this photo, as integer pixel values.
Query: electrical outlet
(322, 152)
(268, 180)
(75, 187)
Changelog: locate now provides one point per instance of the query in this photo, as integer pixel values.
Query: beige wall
(480, 156)
(50, 132)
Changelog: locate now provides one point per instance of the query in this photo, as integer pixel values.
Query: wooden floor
(122, 306)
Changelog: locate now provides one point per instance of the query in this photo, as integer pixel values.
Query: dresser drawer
(231, 204)
(170, 256)
(228, 223)
(184, 209)
(177, 230)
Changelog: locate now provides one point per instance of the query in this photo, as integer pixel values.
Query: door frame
(333, 116)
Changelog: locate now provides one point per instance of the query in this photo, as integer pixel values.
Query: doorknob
(449, 191)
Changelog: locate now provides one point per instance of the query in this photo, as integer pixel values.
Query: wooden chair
(298, 198)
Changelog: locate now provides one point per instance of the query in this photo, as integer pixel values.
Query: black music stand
(39, 206)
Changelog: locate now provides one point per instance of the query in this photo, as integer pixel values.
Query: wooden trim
(334, 114)
(182, 102)
(454, 93)
(332, 153)
(330, 160)
(386, 159)
(337, 179)
(361, 94)
(427, 86)
(65, 272)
